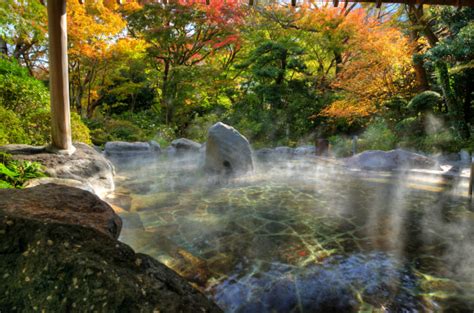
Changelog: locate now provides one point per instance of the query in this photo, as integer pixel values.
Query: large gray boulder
(284, 151)
(264, 154)
(227, 151)
(85, 165)
(305, 150)
(389, 160)
(183, 146)
(130, 150)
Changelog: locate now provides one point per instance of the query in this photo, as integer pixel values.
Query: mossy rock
(69, 268)
(50, 263)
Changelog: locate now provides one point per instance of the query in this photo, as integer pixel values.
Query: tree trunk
(281, 75)
(454, 110)
(418, 64)
(468, 97)
(420, 73)
(132, 107)
(338, 59)
(164, 89)
(3, 46)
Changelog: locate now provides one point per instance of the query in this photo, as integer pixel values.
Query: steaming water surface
(303, 236)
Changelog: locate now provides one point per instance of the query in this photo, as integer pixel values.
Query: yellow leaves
(131, 47)
(325, 18)
(349, 109)
(94, 95)
(376, 60)
(93, 27)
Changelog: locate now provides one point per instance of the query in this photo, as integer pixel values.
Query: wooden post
(471, 179)
(354, 145)
(322, 147)
(58, 78)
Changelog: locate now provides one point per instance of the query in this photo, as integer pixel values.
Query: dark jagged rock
(85, 164)
(53, 203)
(49, 264)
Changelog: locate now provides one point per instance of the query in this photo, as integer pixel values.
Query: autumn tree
(375, 66)
(180, 38)
(23, 28)
(98, 47)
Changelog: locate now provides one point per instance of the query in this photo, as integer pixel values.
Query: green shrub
(123, 130)
(80, 132)
(165, 135)
(442, 141)
(425, 101)
(198, 129)
(114, 130)
(394, 110)
(377, 136)
(147, 121)
(38, 128)
(139, 126)
(253, 130)
(19, 92)
(341, 146)
(99, 136)
(24, 109)
(411, 126)
(14, 174)
(10, 128)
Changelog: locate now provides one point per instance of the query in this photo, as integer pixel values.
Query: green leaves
(5, 185)
(7, 173)
(19, 91)
(13, 173)
(424, 102)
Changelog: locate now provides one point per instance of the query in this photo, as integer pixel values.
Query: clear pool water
(304, 236)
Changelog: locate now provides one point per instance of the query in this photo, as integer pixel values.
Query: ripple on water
(339, 284)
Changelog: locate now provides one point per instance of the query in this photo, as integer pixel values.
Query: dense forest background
(399, 76)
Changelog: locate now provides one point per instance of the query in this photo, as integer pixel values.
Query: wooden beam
(462, 3)
(58, 78)
(335, 3)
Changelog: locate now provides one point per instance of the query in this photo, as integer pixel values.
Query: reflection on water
(304, 237)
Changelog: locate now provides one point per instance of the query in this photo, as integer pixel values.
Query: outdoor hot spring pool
(303, 236)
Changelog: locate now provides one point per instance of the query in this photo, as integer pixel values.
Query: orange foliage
(96, 38)
(375, 59)
(92, 27)
(227, 15)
